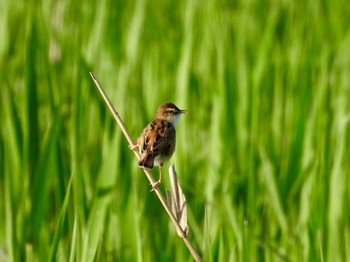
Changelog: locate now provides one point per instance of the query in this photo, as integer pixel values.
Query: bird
(157, 142)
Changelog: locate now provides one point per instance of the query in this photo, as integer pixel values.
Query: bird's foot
(155, 185)
(133, 147)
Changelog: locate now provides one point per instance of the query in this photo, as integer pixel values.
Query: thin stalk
(148, 174)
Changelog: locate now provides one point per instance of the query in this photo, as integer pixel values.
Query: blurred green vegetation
(262, 155)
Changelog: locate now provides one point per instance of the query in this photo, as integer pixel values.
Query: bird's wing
(157, 137)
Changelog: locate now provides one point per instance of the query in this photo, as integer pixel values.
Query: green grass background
(262, 154)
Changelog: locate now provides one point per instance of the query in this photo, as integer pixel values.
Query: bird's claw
(155, 185)
(133, 147)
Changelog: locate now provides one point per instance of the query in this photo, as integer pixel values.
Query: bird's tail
(147, 161)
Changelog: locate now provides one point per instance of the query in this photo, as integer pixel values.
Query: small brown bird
(157, 142)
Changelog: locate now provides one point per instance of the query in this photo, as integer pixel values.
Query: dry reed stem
(148, 174)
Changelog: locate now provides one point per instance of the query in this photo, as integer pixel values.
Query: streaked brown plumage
(157, 142)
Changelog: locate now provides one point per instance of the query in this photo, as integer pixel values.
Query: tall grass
(262, 154)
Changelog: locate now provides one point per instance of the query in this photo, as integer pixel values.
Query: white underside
(158, 160)
(175, 120)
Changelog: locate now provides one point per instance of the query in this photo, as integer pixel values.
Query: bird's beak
(182, 111)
